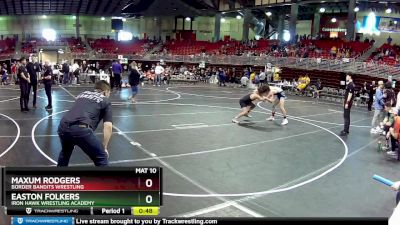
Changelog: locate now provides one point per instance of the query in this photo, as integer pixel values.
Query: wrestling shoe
(271, 118)
(284, 122)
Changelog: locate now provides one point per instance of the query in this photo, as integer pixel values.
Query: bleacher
(7, 47)
(391, 59)
(110, 46)
(356, 48)
(330, 81)
(76, 45)
(191, 47)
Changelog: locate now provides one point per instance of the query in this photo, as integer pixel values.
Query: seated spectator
(318, 89)
(387, 124)
(334, 51)
(277, 76)
(252, 77)
(394, 132)
(244, 81)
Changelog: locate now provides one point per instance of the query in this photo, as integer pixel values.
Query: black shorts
(244, 104)
(281, 95)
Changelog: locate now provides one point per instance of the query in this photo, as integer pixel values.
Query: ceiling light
(102, 18)
(44, 16)
(123, 19)
(73, 17)
(188, 19)
(333, 20)
(389, 10)
(395, 22)
(356, 9)
(223, 20)
(322, 10)
(268, 13)
(238, 17)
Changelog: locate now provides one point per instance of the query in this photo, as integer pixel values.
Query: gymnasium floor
(213, 167)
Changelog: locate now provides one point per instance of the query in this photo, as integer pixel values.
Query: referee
(24, 81)
(79, 123)
(348, 102)
(47, 81)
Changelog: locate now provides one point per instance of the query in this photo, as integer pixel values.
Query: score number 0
(149, 183)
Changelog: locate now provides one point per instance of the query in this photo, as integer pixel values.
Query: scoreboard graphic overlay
(82, 191)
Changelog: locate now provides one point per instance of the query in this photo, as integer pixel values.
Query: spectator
(394, 132)
(386, 124)
(318, 86)
(378, 105)
(75, 71)
(65, 70)
(389, 94)
(389, 40)
(14, 76)
(252, 77)
(334, 51)
(159, 71)
(371, 92)
(4, 77)
(134, 80)
(244, 81)
(117, 72)
(221, 77)
(396, 185)
(262, 77)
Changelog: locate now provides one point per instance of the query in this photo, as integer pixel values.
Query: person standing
(348, 102)
(159, 70)
(117, 72)
(78, 125)
(47, 81)
(370, 92)
(221, 77)
(65, 70)
(134, 80)
(14, 73)
(31, 68)
(85, 70)
(262, 77)
(379, 103)
(3, 74)
(75, 71)
(24, 81)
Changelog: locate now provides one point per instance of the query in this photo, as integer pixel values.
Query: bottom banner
(226, 221)
(195, 221)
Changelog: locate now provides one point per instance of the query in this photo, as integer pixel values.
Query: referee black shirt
(349, 89)
(31, 68)
(22, 69)
(90, 108)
